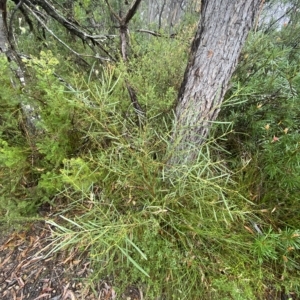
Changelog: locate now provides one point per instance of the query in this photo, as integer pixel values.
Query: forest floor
(27, 272)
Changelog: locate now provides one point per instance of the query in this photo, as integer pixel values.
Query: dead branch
(71, 26)
(131, 12)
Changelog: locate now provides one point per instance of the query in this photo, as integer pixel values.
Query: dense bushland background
(225, 228)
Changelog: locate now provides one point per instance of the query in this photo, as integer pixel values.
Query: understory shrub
(224, 228)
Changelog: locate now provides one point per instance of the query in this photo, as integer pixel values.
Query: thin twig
(10, 31)
(63, 43)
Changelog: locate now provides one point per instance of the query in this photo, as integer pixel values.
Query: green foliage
(157, 68)
(263, 106)
(220, 229)
(273, 246)
(15, 171)
(13, 165)
(140, 228)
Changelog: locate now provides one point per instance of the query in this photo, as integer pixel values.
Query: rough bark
(221, 33)
(29, 113)
(5, 45)
(3, 27)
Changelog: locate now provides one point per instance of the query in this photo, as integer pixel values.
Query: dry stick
(157, 34)
(71, 27)
(134, 99)
(79, 55)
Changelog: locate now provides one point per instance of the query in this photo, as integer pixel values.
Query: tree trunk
(222, 31)
(3, 27)
(29, 113)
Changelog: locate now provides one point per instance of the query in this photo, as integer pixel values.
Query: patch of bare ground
(28, 273)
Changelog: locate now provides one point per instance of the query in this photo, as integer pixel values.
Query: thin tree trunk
(29, 113)
(3, 27)
(123, 24)
(222, 31)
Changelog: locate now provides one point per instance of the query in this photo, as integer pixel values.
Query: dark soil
(28, 273)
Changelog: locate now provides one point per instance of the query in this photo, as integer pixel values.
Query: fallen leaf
(249, 229)
(42, 296)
